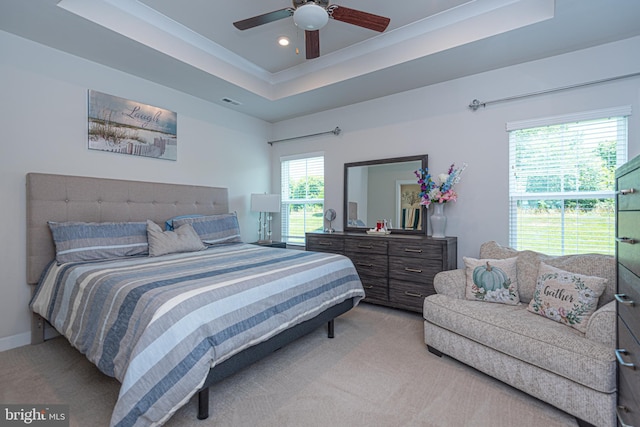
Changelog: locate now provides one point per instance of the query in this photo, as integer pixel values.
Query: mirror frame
(422, 158)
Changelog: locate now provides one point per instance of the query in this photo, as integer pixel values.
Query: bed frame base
(257, 352)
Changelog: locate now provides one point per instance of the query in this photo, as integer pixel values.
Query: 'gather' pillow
(492, 280)
(566, 297)
(183, 239)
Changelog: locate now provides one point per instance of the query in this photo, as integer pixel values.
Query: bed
(95, 304)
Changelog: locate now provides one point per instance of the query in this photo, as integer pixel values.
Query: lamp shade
(310, 17)
(265, 203)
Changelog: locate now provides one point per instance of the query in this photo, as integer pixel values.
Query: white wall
(435, 120)
(43, 116)
(44, 125)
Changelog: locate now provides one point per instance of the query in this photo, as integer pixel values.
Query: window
(302, 190)
(561, 183)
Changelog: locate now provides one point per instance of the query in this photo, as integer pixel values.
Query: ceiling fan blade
(312, 43)
(359, 18)
(245, 24)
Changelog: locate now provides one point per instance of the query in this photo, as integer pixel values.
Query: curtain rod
(335, 131)
(475, 104)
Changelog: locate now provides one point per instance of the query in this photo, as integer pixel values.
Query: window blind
(561, 183)
(302, 195)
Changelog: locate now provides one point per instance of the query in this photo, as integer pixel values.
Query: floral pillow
(565, 297)
(492, 280)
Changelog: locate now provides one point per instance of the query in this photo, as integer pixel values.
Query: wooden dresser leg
(330, 327)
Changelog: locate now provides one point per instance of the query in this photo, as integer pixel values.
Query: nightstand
(271, 244)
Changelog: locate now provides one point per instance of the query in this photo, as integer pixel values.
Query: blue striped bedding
(158, 324)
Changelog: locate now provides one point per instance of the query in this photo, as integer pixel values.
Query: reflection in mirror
(384, 189)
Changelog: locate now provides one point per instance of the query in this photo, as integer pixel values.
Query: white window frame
(286, 202)
(516, 195)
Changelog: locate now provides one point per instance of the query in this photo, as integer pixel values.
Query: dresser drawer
(628, 352)
(629, 253)
(424, 250)
(413, 269)
(375, 288)
(628, 408)
(324, 244)
(370, 265)
(376, 245)
(629, 201)
(409, 294)
(628, 296)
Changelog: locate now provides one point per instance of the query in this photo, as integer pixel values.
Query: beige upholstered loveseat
(556, 363)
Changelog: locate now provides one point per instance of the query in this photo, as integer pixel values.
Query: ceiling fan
(311, 15)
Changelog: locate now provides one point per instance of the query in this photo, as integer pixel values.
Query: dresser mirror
(384, 189)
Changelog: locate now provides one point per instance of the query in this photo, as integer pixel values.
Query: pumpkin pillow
(492, 280)
(566, 297)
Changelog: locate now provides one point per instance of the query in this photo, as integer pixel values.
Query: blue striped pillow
(168, 224)
(214, 229)
(90, 241)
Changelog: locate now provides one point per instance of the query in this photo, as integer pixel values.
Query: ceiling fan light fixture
(310, 17)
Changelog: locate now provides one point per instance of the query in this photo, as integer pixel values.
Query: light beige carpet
(375, 372)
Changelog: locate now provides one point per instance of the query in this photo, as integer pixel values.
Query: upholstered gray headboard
(75, 198)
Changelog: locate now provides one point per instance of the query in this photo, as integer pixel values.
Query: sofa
(573, 370)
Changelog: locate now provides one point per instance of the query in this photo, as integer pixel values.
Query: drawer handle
(321, 243)
(417, 251)
(365, 246)
(620, 409)
(411, 294)
(412, 270)
(367, 287)
(626, 191)
(624, 299)
(628, 240)
(619, 353)
(361, 264)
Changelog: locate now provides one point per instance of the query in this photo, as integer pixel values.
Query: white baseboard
(15, 341)
(19, 340)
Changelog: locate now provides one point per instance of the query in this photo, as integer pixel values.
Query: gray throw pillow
(183, 239)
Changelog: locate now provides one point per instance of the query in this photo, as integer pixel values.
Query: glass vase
(438, 221)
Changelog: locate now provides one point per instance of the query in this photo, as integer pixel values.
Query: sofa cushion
(492, 280)
(564, 297)
(529, 262)
(512, 330)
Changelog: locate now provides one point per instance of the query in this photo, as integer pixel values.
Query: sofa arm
(451, 283)
(601, 326)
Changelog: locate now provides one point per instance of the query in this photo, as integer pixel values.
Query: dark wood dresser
(628, 292)
(396, 270)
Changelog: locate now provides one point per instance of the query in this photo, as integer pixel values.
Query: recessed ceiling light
(283, 41)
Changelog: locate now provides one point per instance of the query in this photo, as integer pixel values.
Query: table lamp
(265, 204)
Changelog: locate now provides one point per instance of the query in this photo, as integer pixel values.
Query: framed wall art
(123, 126)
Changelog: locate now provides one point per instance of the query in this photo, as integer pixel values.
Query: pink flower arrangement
(440, 191)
